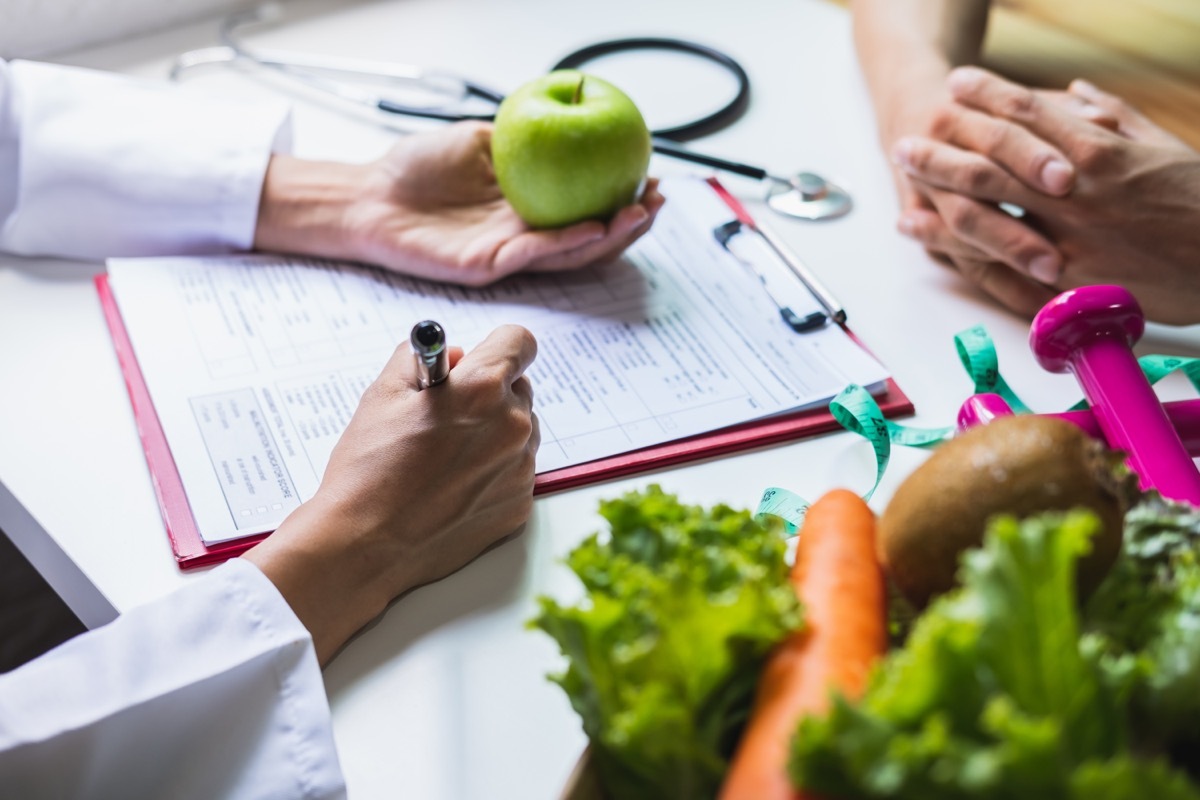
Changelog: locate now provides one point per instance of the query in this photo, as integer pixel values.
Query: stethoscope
(805, 195)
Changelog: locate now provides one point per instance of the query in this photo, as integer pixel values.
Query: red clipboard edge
(739, 210)
(749, 435)
(189, 548)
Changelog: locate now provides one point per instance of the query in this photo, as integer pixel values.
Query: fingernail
(962, 80)
(1044, 268)
(907, 226)
(1057, 176)
(627, 222)
(902, 154)
(595, 234)
(1080, 86)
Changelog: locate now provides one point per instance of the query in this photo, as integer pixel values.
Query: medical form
(255, 363)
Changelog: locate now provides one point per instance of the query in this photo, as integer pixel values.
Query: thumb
(1081, 107)
(1130, 122)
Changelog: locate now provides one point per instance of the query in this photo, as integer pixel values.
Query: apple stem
(578, 92)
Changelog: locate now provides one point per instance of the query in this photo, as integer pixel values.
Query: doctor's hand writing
(420, 483)
(429, 208)
(1123, 207)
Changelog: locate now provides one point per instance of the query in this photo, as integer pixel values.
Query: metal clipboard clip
(815, 320)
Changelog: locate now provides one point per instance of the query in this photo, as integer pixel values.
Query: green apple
(569, 147)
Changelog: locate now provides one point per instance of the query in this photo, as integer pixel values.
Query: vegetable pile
(682, 606)
(1004, 689)
(1029, 666)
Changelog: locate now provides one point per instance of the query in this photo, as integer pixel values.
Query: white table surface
(444, 696)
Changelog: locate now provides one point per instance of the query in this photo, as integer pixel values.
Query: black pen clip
(811, 322)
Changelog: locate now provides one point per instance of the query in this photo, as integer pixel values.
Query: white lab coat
(94, 165)
(214, 691)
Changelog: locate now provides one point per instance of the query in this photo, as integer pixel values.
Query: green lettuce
(1125, 778)
(1148, 609)
(683, 605)
(998, 692)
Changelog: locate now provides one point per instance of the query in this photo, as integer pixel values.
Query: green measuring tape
(856, 411)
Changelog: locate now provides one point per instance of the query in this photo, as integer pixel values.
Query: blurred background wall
(1146, 51)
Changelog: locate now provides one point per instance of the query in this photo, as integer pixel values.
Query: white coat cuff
(213, 686)
(111, 166)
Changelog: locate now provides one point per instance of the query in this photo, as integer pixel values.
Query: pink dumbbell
(1090, 331)
(980, 409)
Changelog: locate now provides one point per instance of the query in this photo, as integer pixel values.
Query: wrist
(327, 570)
(305, 206)
(907, 97)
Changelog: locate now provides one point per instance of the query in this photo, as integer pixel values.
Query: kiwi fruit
(1018, 465)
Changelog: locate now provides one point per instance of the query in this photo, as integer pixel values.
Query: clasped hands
(1108, 196)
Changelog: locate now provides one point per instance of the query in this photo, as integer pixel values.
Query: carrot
(838, 579)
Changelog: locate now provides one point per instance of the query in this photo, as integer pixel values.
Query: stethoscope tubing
(664, 141)
(660, 145)
(722, 117)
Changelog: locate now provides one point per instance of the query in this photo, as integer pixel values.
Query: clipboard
(192, 552)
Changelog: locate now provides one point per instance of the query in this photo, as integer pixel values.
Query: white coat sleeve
(212, 692)
(94, 165)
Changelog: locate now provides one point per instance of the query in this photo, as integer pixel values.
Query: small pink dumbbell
(980, 409)
(1090, 331)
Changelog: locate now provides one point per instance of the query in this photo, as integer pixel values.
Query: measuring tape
(856, 411)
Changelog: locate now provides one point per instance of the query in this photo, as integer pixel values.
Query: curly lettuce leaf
(1158, 552)
(1148, 611)
(1125, 778)
(683, 605)
(994, 694)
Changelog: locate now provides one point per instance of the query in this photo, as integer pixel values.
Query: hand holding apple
(569, 147)
(430, 208)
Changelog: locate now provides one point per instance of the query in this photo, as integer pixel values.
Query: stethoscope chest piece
(807, 195)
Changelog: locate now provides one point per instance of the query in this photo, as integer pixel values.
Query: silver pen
(428, 340)
(832, 307)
